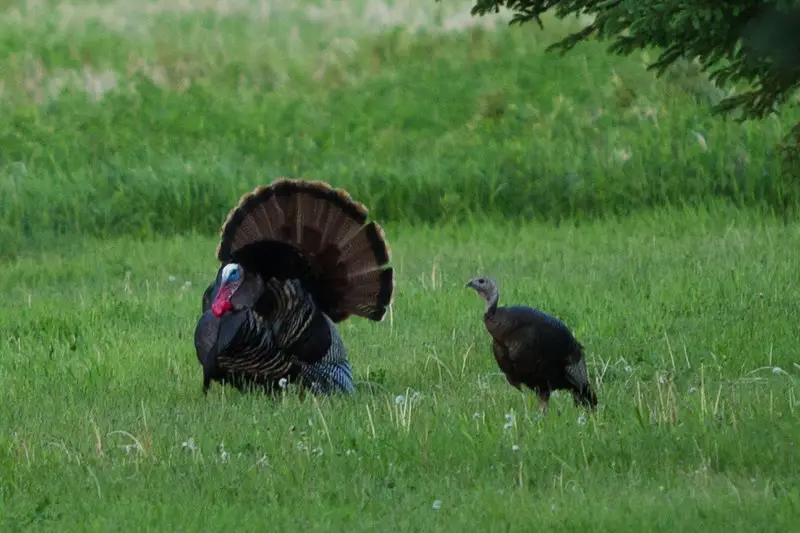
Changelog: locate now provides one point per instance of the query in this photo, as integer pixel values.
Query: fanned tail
(311, 231)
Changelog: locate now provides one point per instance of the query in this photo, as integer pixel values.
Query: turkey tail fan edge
(308, 229)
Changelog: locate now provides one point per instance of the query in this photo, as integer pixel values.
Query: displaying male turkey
(297, 258)
(534, 348)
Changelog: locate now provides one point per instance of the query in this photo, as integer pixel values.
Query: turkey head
(237, 289)
(486, 288)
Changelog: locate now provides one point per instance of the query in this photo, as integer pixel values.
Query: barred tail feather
(311, 231)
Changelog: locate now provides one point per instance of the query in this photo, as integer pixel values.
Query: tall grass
(689, 323)
(152, 118)
(134, 119)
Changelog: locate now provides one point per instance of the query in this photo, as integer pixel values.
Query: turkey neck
(491, 304)
(249, 332)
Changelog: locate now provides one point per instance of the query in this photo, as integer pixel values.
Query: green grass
(124, 119)
(685, 316)
(129, 129)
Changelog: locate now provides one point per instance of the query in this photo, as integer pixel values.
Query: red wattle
(220, 307)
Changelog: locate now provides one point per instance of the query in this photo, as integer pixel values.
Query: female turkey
(534, 348)
(297, 258)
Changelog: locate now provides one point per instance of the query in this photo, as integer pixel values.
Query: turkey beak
(470, 285)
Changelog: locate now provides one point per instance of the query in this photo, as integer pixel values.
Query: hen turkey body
(534, 349)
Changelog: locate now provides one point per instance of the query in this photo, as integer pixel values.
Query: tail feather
(316, 204)
(370, 239)
(375, 286)
(578, 375)
(309, 230)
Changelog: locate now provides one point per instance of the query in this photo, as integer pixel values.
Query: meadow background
(663, 235)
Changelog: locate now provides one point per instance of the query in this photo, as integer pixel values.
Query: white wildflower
(399, 399)
(437, 504)
(282, 383)
(515, 448)
(171, 279)
(316, 452)
(777, 370)
(581, 420)
(189, 444)
(692, 390)
(628, 369)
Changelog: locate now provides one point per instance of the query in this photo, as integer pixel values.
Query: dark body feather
(250, 357)
(296, 258)
(535, 349)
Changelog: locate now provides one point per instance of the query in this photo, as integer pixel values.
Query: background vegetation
(665, 239)
(129, 119)
(749, 43)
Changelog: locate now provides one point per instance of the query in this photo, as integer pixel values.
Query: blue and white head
(237, 289)
(231, 273)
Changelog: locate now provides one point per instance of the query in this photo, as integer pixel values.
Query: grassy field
(690, 324)
(662, 235)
